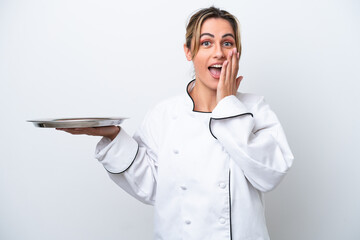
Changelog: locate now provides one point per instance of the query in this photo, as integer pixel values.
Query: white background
(77, 58)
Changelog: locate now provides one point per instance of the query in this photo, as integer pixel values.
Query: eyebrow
(211, 35)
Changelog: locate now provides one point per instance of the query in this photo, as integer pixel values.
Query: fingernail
(231, 53)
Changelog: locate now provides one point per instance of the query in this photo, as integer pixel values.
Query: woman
(205, 158)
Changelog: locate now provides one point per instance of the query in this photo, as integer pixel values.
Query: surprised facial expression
(217, 39)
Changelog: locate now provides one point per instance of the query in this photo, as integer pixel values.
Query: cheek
(226, 52)
(199, 66)
(200, 63)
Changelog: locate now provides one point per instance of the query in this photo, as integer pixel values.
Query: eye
(206, 43)
(228, 44)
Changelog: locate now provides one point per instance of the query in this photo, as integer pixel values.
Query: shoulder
(167, 105)
(164, 109)
(158, 118)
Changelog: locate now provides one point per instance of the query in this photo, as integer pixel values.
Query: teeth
(216, 66)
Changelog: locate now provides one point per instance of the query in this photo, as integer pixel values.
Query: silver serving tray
(76, 122)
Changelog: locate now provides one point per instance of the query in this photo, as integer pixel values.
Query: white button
(176, 151)
(187, 222)
(222, 185)
(183, 187)
(222, 220)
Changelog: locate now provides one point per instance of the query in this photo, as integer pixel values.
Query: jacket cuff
(226, 110)
(228, 107)
(117, 155)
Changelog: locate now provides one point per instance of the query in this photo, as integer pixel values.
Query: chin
(213, 84)
(210, 82)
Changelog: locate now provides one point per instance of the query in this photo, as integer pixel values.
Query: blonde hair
(197, 19)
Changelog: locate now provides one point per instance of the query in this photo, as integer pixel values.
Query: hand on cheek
(228, 83)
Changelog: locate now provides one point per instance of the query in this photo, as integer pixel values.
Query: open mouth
(215, 70)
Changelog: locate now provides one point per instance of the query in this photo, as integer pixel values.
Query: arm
(131, 162)
(255, 140)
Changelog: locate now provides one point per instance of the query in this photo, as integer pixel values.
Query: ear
(187, 53)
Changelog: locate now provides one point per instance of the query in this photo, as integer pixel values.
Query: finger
(223, 72)
(238, 80)
(71, 131)
(101, 131)
(92, 131)
(96, 131)
(63, 129)
(75, 131)
(235, 65)
(228, 68)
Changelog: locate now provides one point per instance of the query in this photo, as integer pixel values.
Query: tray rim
(78, 122)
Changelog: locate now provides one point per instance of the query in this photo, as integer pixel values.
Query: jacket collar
(190, 104)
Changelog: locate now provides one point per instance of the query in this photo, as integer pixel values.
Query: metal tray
(76, 122)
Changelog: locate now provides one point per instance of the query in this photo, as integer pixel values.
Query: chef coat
(204, 172)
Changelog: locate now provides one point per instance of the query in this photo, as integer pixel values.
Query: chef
(205, 158)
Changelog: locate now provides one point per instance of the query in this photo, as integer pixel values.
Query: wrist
(114, 132)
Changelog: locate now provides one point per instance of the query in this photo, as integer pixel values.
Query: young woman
(205, 158)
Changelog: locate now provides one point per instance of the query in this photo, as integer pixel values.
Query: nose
(219, 51)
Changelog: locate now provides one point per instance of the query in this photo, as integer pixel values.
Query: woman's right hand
(228, 82)
(110, 131)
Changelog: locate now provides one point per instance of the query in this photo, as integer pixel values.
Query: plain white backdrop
(77, 58)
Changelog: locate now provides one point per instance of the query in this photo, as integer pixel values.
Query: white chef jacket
(205, 173)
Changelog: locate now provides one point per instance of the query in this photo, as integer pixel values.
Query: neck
(204, 98)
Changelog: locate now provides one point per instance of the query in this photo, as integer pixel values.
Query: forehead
(216, 26)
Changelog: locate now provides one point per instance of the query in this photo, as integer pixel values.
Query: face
(217, 38)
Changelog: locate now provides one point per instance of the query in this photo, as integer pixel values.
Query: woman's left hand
(228, 83)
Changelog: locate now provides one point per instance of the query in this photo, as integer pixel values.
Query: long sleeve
(254, 139)
(132, 161)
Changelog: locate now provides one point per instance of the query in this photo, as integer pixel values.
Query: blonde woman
(204, 158)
